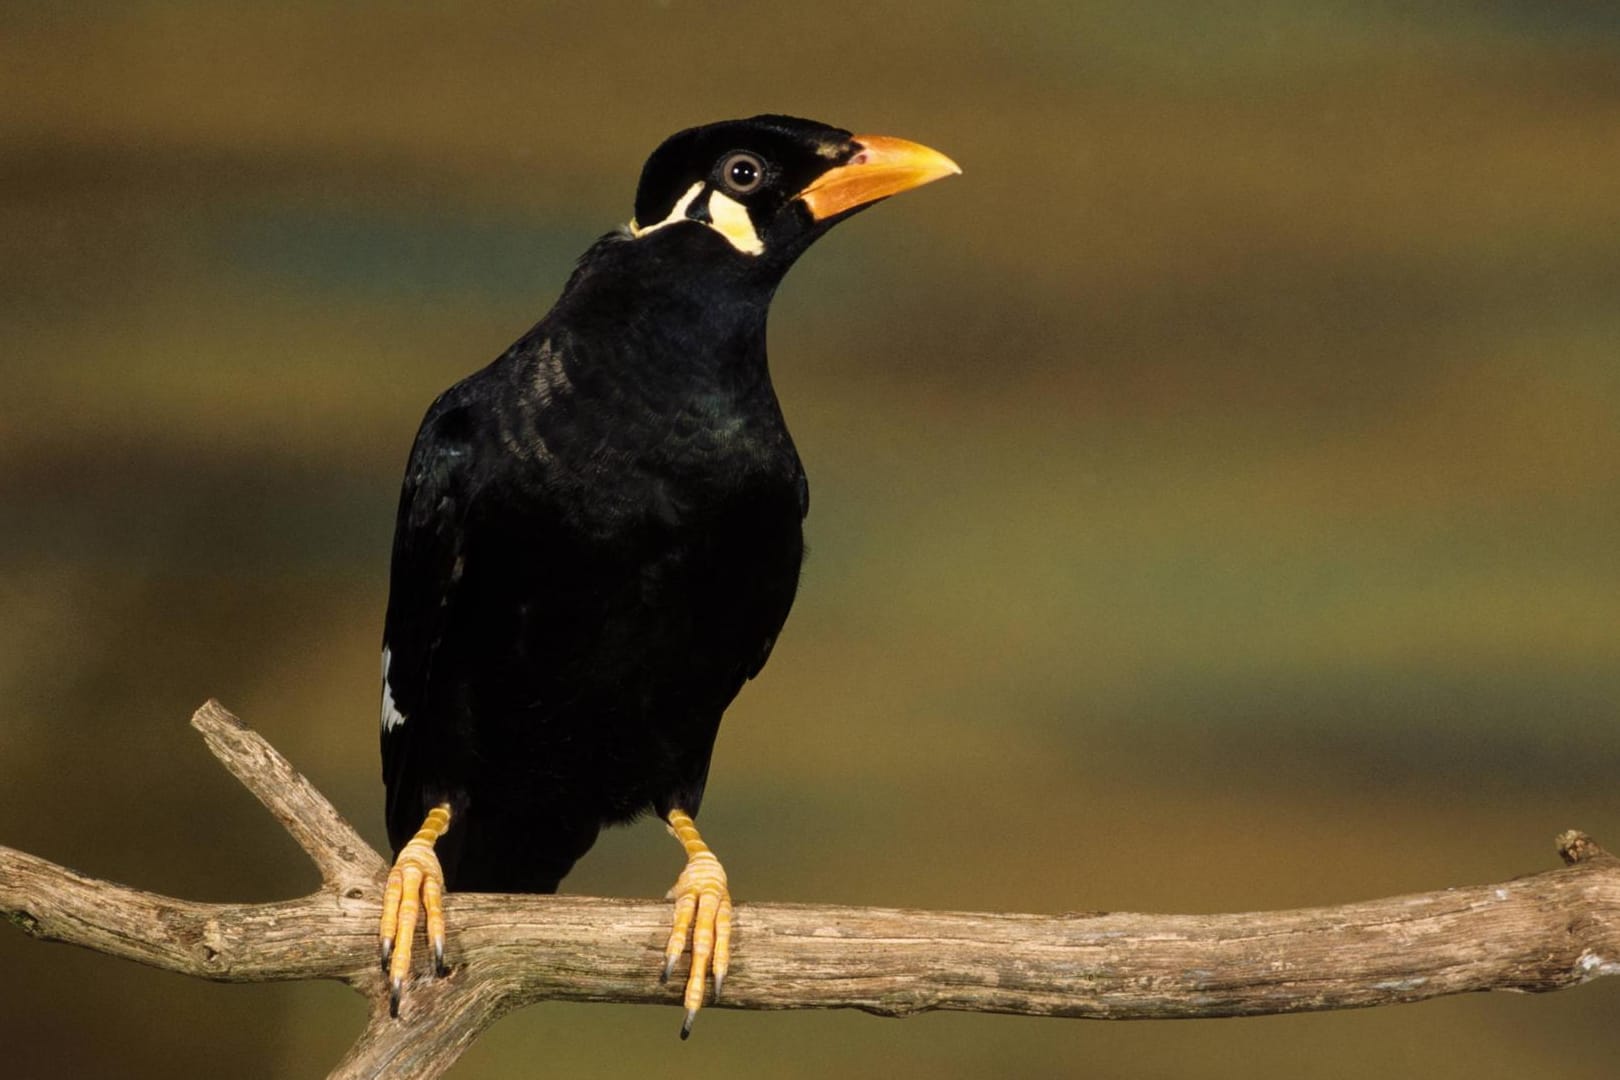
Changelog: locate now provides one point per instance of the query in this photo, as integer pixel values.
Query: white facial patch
(730, 219)
(391, 716)
(727, 216)
(677, 213)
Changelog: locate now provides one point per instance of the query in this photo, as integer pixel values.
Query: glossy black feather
(598, 541)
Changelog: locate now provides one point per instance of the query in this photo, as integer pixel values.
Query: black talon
(387, 952)
(440, 968)
(395, 988)
(686, 1025)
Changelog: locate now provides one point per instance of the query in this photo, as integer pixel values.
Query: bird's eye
(742, 172)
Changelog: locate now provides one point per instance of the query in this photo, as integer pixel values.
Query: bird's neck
(658, 297)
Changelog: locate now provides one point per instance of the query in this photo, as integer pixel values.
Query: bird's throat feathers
(645, 296)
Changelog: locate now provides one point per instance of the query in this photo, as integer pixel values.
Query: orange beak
(881, 167)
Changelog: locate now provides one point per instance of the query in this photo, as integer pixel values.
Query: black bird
(599, 538)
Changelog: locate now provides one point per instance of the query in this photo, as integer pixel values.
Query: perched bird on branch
(599, 538)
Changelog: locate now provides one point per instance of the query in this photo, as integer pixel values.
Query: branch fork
(1543, 932)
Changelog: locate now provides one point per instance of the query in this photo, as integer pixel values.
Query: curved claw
(415, 888)
(703, 910)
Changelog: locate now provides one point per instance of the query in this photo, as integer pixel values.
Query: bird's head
(771, 184)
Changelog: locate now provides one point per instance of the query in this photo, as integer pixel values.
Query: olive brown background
(1215, 489)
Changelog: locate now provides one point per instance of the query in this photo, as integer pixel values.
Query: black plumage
(599, 535)
(598, 542)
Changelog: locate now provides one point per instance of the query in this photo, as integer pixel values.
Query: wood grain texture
(1546, 931)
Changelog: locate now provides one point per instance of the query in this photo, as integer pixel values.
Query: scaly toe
(703, 911)
(415, 889)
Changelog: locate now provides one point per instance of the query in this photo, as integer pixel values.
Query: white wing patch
(731, 220)
(391, 716)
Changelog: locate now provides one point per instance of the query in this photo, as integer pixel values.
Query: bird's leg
(703, 906)
(415, 883)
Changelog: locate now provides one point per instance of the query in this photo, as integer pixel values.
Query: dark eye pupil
(744, 173)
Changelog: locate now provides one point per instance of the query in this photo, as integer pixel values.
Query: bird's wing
(424, 581)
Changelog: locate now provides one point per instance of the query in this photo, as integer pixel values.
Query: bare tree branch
(338, 851)
(1543, 932)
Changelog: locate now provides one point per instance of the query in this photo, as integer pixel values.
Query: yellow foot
(703, 907)
(415, 883)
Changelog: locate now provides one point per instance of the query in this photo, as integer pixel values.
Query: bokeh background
(1215, 488)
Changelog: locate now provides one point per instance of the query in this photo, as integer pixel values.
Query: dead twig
(1543, 932)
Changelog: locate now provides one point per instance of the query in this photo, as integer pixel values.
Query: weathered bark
(1543, 932)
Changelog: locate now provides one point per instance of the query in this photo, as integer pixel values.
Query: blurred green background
(1215, 488)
